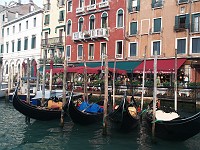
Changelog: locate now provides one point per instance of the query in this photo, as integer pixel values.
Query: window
(120, 18)
(133, 5)
(104, 20)
(68, 48)
(13, 46)
(2, 34)
(20, 27)
(119, 49)
(61, 2)
(182, 1)
(26, 24)
(157, 25)
(103, 49)
(7, 69)
(133, 28)
(61, 16)
(3, 18)
(196, 45)
(182, 21)
(92, 2)
(181, 46)
(47, 19)
(13, 29)
(196, 22)
(7, 47)
(33, 42)
(69, 27)
(61, 36)
(19, 45)
(132, 49)
(7, 31)
(91, 52)
(81, 3)
(80, 52)
(25, 43)
(157, 3)
(156, 47)
(34, 22)
(2, 48)
(92, 24)
(69, 6)
(80, 25)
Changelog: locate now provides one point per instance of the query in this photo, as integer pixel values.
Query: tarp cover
(90, 108)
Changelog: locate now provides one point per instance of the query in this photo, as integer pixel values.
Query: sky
(37, 2)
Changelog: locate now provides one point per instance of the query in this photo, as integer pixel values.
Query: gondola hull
(34, 112)
(122, 120)
(83, 118)
(179, 129)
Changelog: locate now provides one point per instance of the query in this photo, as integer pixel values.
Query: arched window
(104, 20)
(120, 18)
(92, 22)
(69, 27)
(80, 24)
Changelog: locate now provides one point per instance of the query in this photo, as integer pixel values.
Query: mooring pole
(105, 123)
(28, 86)
(154, 96)
(44, 78)
(114, 84)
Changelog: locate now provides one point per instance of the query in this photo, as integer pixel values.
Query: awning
(163, 65)
(128, 66)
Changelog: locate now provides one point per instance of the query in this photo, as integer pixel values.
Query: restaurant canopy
(163, 65)
(79, 69)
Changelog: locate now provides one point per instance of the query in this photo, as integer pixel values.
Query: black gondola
(177, 129)
(38, 113)
(82, 117)
(125, 117)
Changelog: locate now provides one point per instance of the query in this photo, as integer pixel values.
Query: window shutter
(176, 22)
(130, 8)
(153, 3)
(157, 25)
(133, 28)
(187, 21)
(138, 5)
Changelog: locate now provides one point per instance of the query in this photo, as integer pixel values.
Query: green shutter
(133, 28)
(130, 8)
(187, 21)
(153, 3)
(176, 22)
(138, 5)
(104, 15)
(192, 25)
(157, 25)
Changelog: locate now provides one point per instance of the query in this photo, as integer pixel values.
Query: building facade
(53, 31)
(21, 39)
(95, 28)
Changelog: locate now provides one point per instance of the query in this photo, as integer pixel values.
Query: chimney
(31, 6)
(19, 2)
(5, 4)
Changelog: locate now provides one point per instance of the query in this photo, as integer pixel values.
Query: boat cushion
(161, 115)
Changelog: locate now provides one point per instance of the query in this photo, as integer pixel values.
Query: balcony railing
(118, 56)
(104, 4)
(91, 7)
(90, 34)
(52, 41)
(80, 10)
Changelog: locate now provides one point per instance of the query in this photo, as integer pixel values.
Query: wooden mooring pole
(105, 123)
(28, 87)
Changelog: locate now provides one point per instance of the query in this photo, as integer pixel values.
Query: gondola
(175, 129)
(125, 117)
(35, 112)
(83, 117)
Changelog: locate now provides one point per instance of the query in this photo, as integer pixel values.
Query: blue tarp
(90, 108)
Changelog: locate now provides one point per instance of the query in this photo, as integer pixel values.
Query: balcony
(52, 41)
(91, 7)
(80, 10)
(104, 4)
(91, 34)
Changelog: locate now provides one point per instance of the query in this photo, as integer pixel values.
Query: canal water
(16, 134)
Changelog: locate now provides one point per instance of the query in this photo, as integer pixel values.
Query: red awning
(119, 71)
(74, 70)
(163, 65)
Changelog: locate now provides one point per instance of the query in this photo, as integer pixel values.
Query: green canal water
(16, 134)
